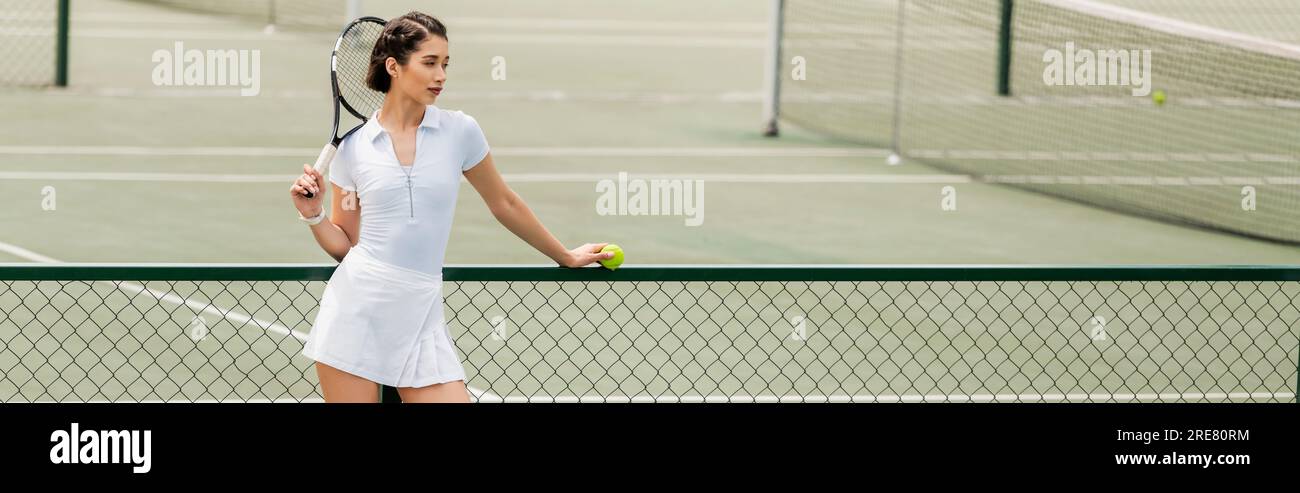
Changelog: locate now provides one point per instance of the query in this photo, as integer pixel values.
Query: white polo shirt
(406, 222)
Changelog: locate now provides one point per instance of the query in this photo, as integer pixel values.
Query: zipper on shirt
(410, 196)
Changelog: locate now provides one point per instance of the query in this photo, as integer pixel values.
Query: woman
(380, 320)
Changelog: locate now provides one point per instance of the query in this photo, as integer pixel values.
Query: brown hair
(400, 38)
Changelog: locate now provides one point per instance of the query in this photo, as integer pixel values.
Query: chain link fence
(33, 42)
(680, 334)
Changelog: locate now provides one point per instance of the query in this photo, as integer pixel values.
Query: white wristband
(312, 221)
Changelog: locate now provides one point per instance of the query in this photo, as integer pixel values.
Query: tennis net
(845, 52)
(33, 42)
(679, 334)
(1214, 141)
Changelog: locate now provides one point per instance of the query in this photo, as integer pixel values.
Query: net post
(353, 10)
(389, 395)
(270, 14)
(896, 124)
(1004, 48)
(61, 45)
(772, 69)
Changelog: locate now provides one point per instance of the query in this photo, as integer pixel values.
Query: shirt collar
(372, 129)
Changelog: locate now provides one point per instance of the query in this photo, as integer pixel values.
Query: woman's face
(422, 76)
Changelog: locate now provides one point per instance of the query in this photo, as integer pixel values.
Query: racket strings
(352, 62)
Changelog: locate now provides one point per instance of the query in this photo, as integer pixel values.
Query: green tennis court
(115, 168)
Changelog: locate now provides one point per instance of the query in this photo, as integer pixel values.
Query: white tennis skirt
(384, 323)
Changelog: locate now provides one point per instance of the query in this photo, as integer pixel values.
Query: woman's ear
(390, 65)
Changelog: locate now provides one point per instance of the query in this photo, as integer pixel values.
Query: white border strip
(1101, 397)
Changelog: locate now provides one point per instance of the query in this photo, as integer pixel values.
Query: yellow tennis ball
(1159, 97)
(615, 261)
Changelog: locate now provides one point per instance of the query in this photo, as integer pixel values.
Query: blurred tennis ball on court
(615, 261)
(1159, 97)
(893, 159)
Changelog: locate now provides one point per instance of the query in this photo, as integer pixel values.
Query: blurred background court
(1042, 175)
(595, 88)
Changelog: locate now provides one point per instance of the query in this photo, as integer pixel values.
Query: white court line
(148, 34)
(37, 32)
(513, 23)
(755, 152)
(524, 23)
(549, 96)
(510, 177)
(777, 152)
(1100, 397)
(527, 39)
(28, 16)
(593, 40)
(205, 308)
(531, 39)
(978, 100)
(828, 179)
(21, 252)
(208, 308)
(1166, 157)
(782, 152)
(791, 97)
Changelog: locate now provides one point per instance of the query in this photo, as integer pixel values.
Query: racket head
(350, 62)
(349, 65)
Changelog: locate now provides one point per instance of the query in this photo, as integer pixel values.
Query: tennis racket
(348, 65)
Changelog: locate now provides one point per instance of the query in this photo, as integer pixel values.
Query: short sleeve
(341, 170)
(473, 142)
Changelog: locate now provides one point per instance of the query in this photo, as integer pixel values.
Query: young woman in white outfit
(395, 183)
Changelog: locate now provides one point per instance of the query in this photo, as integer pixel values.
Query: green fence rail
(223, 332)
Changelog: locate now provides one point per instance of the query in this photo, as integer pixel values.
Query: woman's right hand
(310, 180)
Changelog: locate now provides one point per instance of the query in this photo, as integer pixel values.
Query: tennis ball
(893, 160)
(1158, 96)
(615, 261)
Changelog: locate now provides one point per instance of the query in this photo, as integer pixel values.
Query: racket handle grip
(323, 162)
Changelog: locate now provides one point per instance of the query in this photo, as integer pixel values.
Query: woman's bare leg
(341, 386)
(438, 392)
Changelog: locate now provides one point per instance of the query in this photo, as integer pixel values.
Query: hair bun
(401, 37)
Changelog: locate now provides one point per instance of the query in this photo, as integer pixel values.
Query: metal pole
(61, 45)
(1004, 49)
(353, 10)
(772, 70)
(897, 144)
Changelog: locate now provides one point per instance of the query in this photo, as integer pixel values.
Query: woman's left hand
(586, 255)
